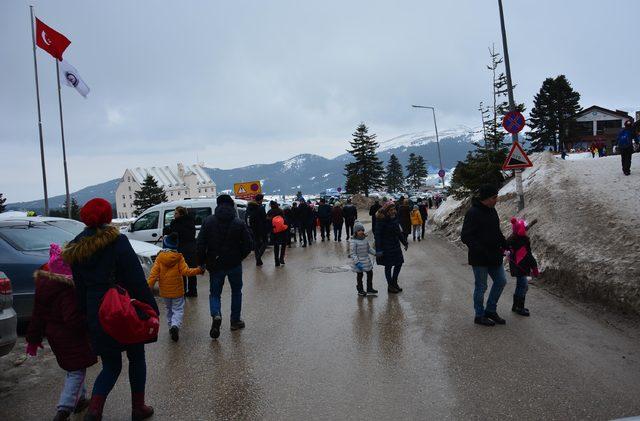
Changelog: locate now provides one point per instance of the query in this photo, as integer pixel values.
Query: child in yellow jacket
(416, 222)
(168, 270)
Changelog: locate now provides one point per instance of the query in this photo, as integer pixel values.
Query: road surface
(312, 349)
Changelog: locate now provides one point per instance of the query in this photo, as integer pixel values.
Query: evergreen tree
(62, 212)
(416, 171)
(150, 194)
(3, 200)
(366, 173)
(480, 167)
(394, 176)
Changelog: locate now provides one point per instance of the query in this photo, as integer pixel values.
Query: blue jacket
(625, 138)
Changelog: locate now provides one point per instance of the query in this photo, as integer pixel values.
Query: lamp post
(435, 123)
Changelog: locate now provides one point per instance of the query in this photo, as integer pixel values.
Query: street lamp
(433, 109)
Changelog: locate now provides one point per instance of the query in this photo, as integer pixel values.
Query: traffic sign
(517, 158)
(441, 173)
(513, 122)
(247, 190)
(339, 189)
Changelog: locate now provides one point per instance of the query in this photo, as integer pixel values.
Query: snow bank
(587, 239)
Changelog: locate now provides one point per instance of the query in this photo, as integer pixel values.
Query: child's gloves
(535, 272)
(359, 266)
(32, 349)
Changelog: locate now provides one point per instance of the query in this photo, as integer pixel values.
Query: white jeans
(175, 311)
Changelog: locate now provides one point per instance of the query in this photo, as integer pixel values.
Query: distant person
(430, 201)
(372, 213)
(482, 235)
(416, 222)
(315, 220)
(280, 233)
(223, 243)
(288, 220)
(57, 317)
(295, 223)
(404, 217)
(324, 214)
(306, 220)
(337, 219)
(184, 226)
(350, 213)
(521, 263)
(359, 251)
(424, 213)
(625, 146)
(256, 218)
(388, 238)
(273, 208)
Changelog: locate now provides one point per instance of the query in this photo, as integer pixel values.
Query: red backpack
(278, 225)
(126, 320)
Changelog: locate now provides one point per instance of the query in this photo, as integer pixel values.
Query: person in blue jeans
(223, 243)
(482, 235)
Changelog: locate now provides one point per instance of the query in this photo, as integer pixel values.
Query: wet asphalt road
(312, 349)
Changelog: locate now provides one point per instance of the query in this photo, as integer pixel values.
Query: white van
(151, 223)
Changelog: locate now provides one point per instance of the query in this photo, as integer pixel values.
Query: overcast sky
(232, 83)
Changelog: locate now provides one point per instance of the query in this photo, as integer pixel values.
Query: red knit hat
(96, 212)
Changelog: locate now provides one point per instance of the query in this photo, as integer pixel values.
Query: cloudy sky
(238, 82)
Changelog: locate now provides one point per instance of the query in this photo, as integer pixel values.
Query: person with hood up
(521, 263)
(404, 216)
(256, 218)
(359, 251)
(56, 316)
(223, 243)
(337, 219)
(350, 213)
(184, 226)
(168, 269)
(416, 222)
(388, 238)
(324, 215)
(482, 235)
(280, 233)
(100, 257)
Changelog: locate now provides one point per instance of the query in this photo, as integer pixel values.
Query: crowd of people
(76, 290)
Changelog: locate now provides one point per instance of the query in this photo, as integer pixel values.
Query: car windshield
(34, 236)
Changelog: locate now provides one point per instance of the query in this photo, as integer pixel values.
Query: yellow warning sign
(247, 190)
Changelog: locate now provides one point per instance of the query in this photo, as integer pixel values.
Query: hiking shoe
(237, 325)
(396, 286)
(282, 262)
(362, 293)
(494, 316)
(215, 327)
(174, 332)
(392, 290)
(484, 321)
(62, 415)
(371, 291)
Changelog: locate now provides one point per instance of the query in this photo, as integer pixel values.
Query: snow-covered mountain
(422, 138)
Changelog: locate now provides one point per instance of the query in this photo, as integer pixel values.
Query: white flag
(70, 77)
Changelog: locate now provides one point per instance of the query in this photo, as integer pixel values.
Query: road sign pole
(512, 103)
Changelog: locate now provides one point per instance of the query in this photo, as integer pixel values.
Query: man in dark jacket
(482, 235)
(256, 218)
(350, 213)
(625, 146)
(372, 213)
(223, 243)
(324, 214)
(424, 213)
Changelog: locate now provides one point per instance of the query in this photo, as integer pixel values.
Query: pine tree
(366, 173)
(150, 194)
(62, 211)
(394, 176)
(3, 200)
(416, 171)
(553, 109)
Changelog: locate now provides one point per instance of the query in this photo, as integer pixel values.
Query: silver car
(8, 316)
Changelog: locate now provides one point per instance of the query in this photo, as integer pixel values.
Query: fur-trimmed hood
(46, 275)
(88, 243)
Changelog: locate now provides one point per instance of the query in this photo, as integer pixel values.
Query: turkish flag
(50, 40)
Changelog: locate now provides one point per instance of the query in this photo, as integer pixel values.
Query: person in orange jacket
(416, 222)
(168, 270)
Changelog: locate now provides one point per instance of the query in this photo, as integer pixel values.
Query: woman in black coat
(388, 237)
(184, 226)
(99, 257)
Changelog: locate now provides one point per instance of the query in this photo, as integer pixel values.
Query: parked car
(151, 223)
(24, 248)
(8, 317)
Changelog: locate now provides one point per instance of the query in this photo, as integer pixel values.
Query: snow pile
(587, 239)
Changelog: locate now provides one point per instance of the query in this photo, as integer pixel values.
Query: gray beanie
(358, 226)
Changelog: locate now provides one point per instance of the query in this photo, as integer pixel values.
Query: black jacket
(305, 215)
(256, 218)
(388, 237)
(350, 213)
(224, 240)
(324, 213)
(481, 233)
(185, 228)
(374, 208)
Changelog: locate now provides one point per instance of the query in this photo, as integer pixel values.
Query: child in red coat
(521, 263)
(56, 317)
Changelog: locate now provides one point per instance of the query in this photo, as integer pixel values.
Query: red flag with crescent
(50, 40)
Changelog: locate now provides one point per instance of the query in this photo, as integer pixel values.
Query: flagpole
(64, 149)
(35, 66)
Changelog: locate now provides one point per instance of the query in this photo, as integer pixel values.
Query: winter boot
(174, 331)
(360, 289)
(396, 286)
(518, 306)
(484, 321)
(237, 325)
(62, 415)
(494, 316)
(95, 408)
(392, 289)
(139, 411)
(370, 289)
(215, 327)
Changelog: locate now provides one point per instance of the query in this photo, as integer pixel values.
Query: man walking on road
(256, 218)
(625, 146)
(350, 213)
(372, 212)
(482, 235)
(224, 241)
(324, 214)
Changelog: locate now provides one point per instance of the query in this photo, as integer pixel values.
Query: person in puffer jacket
(359, 251)
(521, 263)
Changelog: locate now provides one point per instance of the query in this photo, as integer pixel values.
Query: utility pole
(512, 103)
